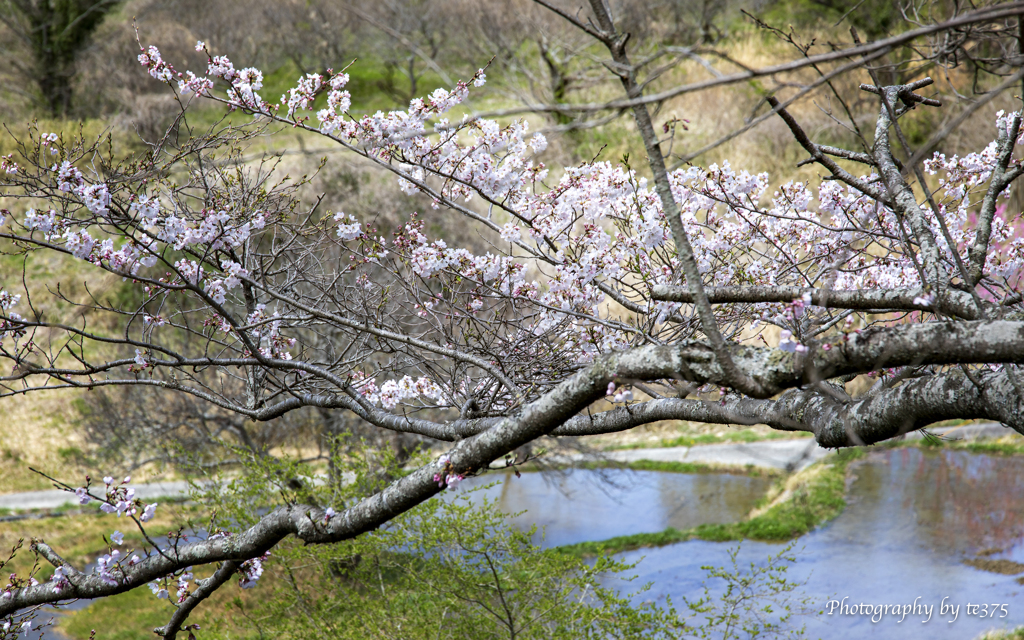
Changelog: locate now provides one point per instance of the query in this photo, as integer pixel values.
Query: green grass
(999, 447)
(1010, 445)
(127, 616)
(665, 467)
(873, 18)
(684, 467)
(1003, 634)
(796, 506)
(711, 438)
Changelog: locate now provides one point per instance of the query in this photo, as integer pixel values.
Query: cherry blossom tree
(687, 293)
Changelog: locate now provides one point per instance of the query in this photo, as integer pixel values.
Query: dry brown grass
(37, 432)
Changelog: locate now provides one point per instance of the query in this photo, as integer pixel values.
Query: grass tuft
(683, 467)
(727, 437)
(1009, 445)
(1003, 634)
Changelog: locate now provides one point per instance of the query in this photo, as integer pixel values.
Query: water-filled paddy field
(919, 527)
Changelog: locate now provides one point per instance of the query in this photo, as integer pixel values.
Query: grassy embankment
(685, 467)
(718, 437)
(687, 434)
(794, 506)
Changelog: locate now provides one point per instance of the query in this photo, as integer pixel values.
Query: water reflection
(583, 504)
(962, 503)
(913, 517)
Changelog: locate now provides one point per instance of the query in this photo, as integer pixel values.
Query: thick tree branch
(956, 303)
(911, 405)
(902, 198)
(1002, 176)
(206, 589)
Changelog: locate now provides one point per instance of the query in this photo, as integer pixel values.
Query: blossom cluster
(492, 163)
(266, 329)
(212, 231)
(448, 477)
(181, 582)
(7, 165)
(14, 583)
(618, 394)
(75, 236)
(251, 570)
(58, 580)
(9, 320)
(119, 498)
(24, 628)
(392, 392)
(110, 567)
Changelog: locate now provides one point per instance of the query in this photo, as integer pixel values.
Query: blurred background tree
(44, 41)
